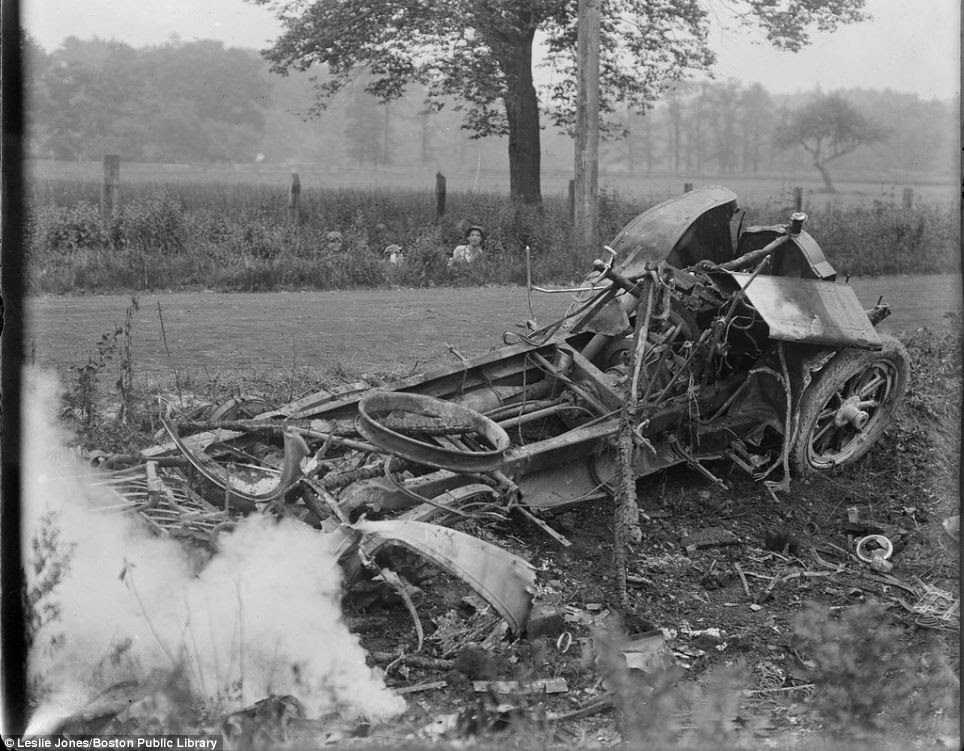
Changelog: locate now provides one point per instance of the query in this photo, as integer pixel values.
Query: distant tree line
(201, 102)
(726, 128)
(175, 102)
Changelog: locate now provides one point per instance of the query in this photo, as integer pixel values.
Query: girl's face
(475, 237)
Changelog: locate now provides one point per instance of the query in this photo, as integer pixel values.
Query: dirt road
(358, 329)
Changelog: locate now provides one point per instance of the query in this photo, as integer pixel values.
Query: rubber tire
(836, 375)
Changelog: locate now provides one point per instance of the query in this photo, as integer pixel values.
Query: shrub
(154, 224)
(55, 229)
(885, 239)
(241, 237)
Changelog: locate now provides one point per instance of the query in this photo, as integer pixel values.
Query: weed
(125, 378)
(81, 400)
(866, 677)
(50, 563)
(167, 351)
(657, 709)
(57, 229)
(155, 224)
(50, 559)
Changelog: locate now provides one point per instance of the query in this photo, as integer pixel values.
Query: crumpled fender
(504, 580)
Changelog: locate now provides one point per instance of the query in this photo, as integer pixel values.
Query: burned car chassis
(696, 339)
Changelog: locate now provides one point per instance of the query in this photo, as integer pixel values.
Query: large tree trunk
(522, 111)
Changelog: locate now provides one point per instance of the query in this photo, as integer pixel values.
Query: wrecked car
(696, 338)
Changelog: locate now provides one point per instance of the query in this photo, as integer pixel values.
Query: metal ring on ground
(374, 409)
(880, 540)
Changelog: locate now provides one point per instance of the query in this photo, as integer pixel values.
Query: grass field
(758, 191)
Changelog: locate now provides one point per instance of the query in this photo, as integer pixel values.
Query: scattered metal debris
(538, 686)
(875, 550)
(710, 537)
(936, 608)
(697, 339)
(650, 656)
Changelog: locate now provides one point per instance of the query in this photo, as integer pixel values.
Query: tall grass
(239, 237)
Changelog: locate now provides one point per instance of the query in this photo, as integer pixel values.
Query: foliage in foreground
(867, 676)
(235, 241)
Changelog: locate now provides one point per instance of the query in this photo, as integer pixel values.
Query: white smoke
(261, 617)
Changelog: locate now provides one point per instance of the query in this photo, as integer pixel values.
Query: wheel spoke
(827, 414)
(871, 386)
(841, 439)
(817, 441)
(851, 387)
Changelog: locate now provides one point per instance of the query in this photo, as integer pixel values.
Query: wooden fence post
(908, 198)
(798, 199)
(687, 187)
(294, 199)
(439, 195)
(110, 188)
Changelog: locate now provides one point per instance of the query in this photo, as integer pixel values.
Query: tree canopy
(173, 102)
(481, 51)
(827, 128)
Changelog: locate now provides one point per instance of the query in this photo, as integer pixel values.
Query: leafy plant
(154, 224)
(866, 676)
(50, 559)
(50, 563)
(81, 399)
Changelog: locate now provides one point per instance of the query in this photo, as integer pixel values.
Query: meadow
(229, 229)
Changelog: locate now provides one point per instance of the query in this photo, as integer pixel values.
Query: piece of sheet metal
(810, 310)
(802, 256)
(610, 320)
(504, 580)
(681, 230)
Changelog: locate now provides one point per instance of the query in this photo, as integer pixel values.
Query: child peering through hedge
(472, 250)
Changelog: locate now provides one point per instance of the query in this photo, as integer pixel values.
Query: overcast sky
(909, 45)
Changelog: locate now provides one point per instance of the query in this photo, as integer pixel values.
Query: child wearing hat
(472, 249)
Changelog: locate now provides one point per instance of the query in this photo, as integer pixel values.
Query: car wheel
(848, 406)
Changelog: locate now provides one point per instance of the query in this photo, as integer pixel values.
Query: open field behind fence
(757, 190)
(232, 229)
